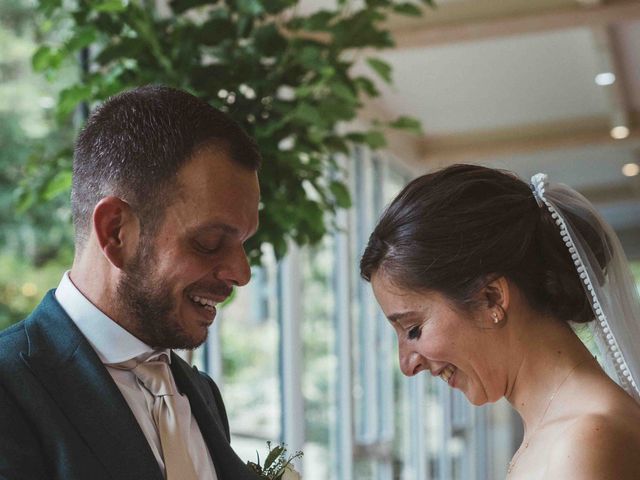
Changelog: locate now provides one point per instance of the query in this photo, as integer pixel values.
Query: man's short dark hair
(134, 144)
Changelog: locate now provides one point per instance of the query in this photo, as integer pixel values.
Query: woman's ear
(116, 228)
(496, 295)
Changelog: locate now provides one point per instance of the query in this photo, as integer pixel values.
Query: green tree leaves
(286, 77)
(407, 123)
(110, 6)
(47, 58)
(382, 68)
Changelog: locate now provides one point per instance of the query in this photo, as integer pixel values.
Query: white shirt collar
(112, 343)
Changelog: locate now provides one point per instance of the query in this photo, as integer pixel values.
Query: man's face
(170, 289)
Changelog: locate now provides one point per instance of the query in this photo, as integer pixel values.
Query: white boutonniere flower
(290, 473)
(277, 466)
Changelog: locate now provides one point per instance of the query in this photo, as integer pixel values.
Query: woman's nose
(411, 362)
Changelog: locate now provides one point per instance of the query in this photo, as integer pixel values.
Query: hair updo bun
(455, 230)
(565, 292)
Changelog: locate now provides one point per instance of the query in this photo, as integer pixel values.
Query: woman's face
(434, 336)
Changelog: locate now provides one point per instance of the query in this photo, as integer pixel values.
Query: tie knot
(155, 375)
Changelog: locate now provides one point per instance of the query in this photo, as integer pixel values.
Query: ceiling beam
(452, 149)
(472, 30)
(626, 192)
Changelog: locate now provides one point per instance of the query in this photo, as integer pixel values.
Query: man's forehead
(225, 186)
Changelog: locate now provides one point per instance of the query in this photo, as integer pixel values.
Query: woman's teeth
(207, 303)
(447, 373)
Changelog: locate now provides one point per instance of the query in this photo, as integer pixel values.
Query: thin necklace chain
(521, 450)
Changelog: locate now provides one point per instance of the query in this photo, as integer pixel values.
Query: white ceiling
(510, 83)
(498, 83)
(588, 169)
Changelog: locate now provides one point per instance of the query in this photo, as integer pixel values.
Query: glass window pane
(249, 345)
(319, 360)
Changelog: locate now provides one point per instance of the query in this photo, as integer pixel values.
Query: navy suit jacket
(62, 417)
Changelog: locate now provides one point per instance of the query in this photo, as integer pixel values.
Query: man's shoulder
(16, 339)
(13, 340)
(15, 336)
(12, 330)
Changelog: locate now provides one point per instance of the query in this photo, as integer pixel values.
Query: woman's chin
(476, 398)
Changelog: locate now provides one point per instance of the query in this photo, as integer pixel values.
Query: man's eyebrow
(395, 317)
(223, 227)
(219, 227)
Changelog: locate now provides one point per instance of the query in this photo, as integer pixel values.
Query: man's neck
(95, 280)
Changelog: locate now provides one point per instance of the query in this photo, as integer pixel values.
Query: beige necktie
(156, 377)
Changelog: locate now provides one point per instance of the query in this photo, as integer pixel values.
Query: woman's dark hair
(135, 143)
(455, 230)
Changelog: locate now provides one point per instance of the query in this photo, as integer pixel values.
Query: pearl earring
(495, 317)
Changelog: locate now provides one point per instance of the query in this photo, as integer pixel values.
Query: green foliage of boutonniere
(277, 466)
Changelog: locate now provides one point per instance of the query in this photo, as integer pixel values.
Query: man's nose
(235, 269)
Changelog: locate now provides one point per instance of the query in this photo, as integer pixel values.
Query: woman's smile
(448, 374)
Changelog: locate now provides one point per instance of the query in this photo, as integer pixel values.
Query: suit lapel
(228, 464)
(64, 362)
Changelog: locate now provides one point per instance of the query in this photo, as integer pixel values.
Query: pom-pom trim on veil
(622, 362)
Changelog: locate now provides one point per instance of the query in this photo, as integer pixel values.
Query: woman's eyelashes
(414, 332)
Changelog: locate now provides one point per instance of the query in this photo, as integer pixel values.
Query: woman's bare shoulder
(598, 446)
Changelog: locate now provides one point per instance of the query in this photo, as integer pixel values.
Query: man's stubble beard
(148, 306)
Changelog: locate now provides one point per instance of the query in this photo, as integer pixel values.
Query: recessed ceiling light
(620, 132)
(605, 78)
(630, 169)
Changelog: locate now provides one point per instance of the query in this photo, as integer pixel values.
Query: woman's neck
(549, 353)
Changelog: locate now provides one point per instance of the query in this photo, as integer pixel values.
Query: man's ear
(117, 229)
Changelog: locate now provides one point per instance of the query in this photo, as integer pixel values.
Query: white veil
(611, 289)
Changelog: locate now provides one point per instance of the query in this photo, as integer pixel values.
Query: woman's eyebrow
(395, 317)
